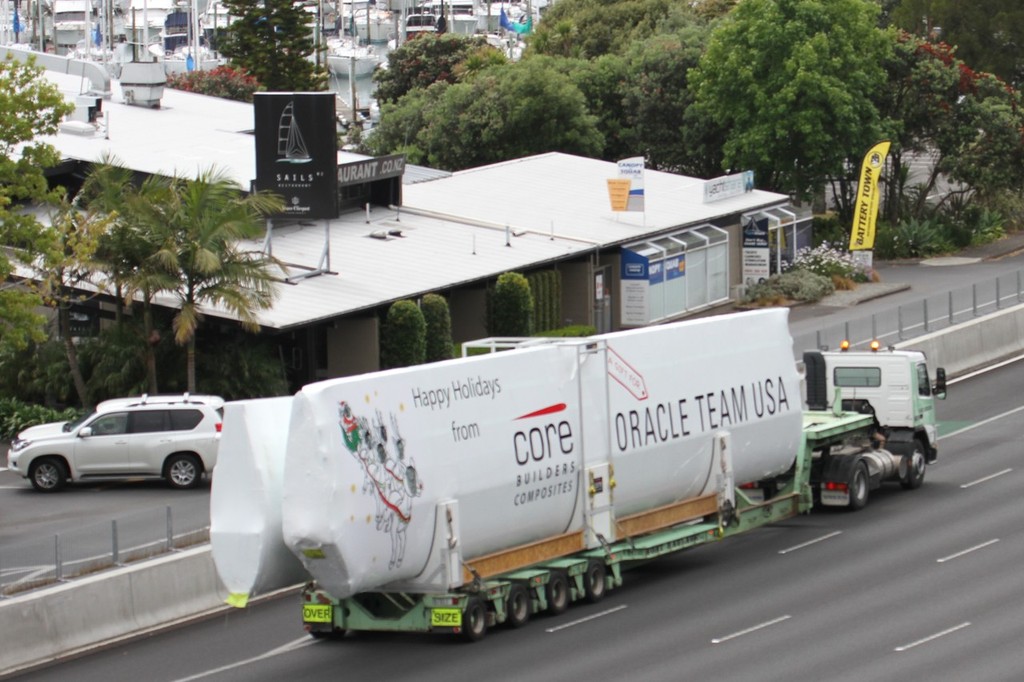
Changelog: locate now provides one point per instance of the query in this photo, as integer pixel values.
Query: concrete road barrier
(974, 344)
(46, 624)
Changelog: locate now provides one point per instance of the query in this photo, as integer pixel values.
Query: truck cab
(892, 385)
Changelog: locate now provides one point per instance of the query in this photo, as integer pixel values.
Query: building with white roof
(449, 233)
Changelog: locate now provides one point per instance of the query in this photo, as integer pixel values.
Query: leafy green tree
(590, 28)
(419, 63)
(968, 124)
(511, 306)
(203, 220)
(656, 95)
(403, 340)
(438, 320)
(65, 274)
(790, 80)
(501, 113)
(30, 108)
(272, 41)
(987, 33)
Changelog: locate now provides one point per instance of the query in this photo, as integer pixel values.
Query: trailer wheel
(858, 488)
(912, 467)
(474, 620)
(557, 593)
(594, 581)
(518, 605)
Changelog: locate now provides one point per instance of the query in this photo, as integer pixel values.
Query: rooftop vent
(142, 83)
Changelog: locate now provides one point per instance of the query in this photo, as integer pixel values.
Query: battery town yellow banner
(866, 212)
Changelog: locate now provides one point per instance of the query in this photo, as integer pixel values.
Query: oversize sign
(297, 151)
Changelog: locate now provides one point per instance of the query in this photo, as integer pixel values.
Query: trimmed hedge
(404, 338)
(438, 321)
(511, 306)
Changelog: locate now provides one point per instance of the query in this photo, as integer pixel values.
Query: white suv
(172, 437)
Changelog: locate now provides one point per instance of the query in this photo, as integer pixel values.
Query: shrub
(826, 228)
(404, 337)
(438, 322)
(794, 285)
(829, 261)
(511, 306)
(16, 416)
(222, 81)
(911, 239)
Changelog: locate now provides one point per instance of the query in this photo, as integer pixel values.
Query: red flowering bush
(222, 81)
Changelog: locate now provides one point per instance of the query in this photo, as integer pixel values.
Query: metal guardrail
(95, 547)
(931, 313)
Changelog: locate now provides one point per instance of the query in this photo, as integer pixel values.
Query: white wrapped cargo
(394, 479)
(245, 501)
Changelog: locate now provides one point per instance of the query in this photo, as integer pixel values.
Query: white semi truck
(460, 495)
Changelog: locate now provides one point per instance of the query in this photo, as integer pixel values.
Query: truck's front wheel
(859, 488)
(912, 467)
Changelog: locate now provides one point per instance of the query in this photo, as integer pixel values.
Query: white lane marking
(987, 478)
(283, 649)
(574, 623)
(983, 423)
(929, 638)
(967, 551)
(810, 542)
(761, 626)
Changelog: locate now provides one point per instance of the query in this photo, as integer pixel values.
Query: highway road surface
(921, 585)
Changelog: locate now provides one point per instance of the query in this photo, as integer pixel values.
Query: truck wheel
(594, 581)
(912, 467)
(474, 620)
(557, 593)
(518, 605)
(48, 474)
(183, 471)
(858, 488)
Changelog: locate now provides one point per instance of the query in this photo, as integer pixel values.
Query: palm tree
(202, 222)
(127, 249)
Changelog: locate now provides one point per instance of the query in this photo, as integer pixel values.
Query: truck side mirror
(940, 383)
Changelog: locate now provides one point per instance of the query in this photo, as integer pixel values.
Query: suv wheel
(183, 471)
(48, 474)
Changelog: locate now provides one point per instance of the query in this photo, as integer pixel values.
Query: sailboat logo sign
(297, 151)
(291, 148)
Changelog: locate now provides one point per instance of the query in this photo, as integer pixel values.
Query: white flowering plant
(830, 261)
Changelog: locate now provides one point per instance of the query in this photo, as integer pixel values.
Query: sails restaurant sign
(297, 151)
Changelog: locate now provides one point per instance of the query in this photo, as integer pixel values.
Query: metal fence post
(974, 300)
(951, 308)
(58, 569)
(846, 330)
(170, 530)
(999, 296)
(899, 322)
(924, 309)
(1018, 286)
(817, 339)
(115, 554)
